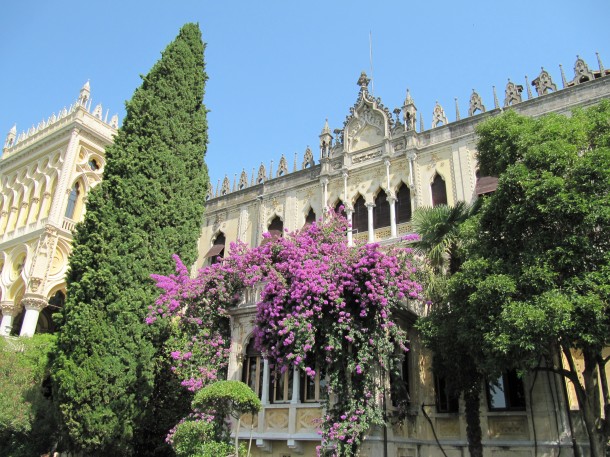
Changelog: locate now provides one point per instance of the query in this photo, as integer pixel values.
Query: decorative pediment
(369, 121)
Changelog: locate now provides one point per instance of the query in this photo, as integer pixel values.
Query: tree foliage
(148, 207)
(537, 278)
(27, 423)
(324, 306)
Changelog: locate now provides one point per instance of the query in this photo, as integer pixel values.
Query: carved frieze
(359, 158)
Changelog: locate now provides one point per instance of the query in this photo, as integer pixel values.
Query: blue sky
(277, 69)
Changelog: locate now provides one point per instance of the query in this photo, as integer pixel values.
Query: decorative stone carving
(409, 112)
(476, 103)
(512, 93)
(262, 175)
(243, 180)
(35, 284)
(10, 308)
(34, 302)
(97, 112)
(226, 186)
(581, 72)
(308, 159)
(363, 82)
(438, 116)
(543, 83)
(282, 168)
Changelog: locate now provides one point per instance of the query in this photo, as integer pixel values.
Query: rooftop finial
(601, 65)
(85, 94)
(326, 128)
(457, 110)
(496, 104)
(363, 82)
(563, 76)
(529, 89)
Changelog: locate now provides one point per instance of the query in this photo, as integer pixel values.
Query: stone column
(350, 236)
(265, 386)
(9, 311)
(296, 385)
(369, 207)
(33, 303)
(392, 202)
(324, 183)
(411, 156)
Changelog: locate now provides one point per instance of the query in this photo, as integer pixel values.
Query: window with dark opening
(446, 402)
(311, 217)
(506, 393)
(217, 251)
(360, 218)
(381, 211)
(399, 384)
(252, 369)
(72, 199)
(439, 191)
(280, 385)
(403, 204)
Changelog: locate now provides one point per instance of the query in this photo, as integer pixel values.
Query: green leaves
(148, 208)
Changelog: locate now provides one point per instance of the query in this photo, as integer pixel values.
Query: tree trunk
(591, 406)
(472, 398)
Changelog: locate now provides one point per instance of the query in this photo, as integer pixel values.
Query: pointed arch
(381, 211)
(438, 189)
(360, 217)
(403, 204)
(217, 251)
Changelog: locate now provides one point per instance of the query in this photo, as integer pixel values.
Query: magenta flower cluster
(328, 308)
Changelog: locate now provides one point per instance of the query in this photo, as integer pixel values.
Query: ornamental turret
(85, 94)
(326, 140)
(409, 112)
(10, 138)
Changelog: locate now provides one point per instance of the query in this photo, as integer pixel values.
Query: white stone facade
(45, 176)
(373, 166)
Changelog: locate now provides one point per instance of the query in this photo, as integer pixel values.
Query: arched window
(45, 320)
(403, 204)
(252, 369)
(439, 191)
(340, 208)
(276, 227)
(72, 201)
(311, 217)
(217, 251)
(360, 218)
(381, 212)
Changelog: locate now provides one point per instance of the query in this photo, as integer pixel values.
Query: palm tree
(442, 243)
(440, 240)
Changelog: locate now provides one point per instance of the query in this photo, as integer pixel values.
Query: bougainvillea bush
(323, 304)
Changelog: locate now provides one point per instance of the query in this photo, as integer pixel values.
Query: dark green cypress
(148, 207)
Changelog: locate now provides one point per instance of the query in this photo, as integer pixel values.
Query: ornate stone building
(380, 168)
(45, 176)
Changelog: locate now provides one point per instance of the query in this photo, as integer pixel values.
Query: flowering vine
(327, 308)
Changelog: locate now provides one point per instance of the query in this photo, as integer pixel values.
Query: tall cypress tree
(148, 207)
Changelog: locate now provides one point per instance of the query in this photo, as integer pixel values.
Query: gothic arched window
(439, 191)
(74, 193)
(403, 204)
(360, 218)
(381, 212)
